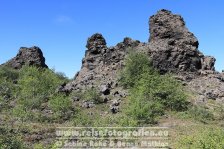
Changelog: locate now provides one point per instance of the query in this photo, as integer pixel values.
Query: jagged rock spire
(173, 47)
(95, 43)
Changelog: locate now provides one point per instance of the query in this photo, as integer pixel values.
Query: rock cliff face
(27, 56)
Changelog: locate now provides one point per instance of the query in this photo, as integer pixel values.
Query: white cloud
(63, 19)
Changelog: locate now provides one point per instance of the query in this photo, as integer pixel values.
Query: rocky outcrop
(207, 87)
(101, 64)
(27, 56)
(172, 47)
(100, 69)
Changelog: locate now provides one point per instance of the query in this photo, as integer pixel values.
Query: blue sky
(61, 27)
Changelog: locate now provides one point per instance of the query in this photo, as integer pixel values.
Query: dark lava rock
(172, 47)
(101, 65)
(96, 43)
(27, 56)
(105, 89)
(208, 86)
(114, 109)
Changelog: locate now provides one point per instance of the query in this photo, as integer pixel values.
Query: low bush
(61, 105)
(150, 93)
(37, 83)
(144, 111)
(200, 114)
(35, 87)
(22, 113)
(92, 94)
(10, 140)
(208, 138)
(8, 78)
(135, 65)
(8, 74)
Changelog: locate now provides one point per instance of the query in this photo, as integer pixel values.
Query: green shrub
(8, 74)
(150, 93)
(22, 113)
(164, 89)
(200, 114)
(8, 77)
(197, 113)
(10, 140)
(36, 86)
(208, 138)
(61, 76)
(144, 111)
(61, 105)
(92, 94)
(38, 82)
(135, 65)
(83, 119)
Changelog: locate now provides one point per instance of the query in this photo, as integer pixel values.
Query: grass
(200, 137)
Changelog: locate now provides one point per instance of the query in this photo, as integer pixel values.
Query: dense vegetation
(30, 90)
(25, 96)
(151, 94)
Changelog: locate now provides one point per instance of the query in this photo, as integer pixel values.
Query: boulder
(105, 89)
(208, 63)
(114, 109)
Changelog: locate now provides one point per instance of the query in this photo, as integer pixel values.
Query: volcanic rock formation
(101, 64)
(171, 47)
(27, 56)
